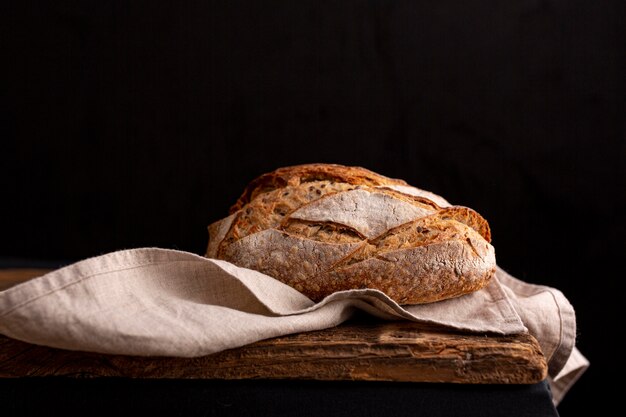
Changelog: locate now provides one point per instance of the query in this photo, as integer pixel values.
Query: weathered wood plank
(14, 276)
(397, 351)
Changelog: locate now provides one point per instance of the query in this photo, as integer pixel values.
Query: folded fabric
(154, 301)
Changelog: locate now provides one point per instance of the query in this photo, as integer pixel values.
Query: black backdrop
(128, 124)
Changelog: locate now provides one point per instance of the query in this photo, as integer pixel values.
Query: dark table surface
(120, 396)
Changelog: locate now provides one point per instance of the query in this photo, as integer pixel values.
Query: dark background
(128, 124)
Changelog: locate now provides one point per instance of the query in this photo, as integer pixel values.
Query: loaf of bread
(322, 228)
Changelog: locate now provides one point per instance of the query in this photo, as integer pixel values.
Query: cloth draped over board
(152, 301)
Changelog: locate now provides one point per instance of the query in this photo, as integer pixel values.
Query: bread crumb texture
(322, 228)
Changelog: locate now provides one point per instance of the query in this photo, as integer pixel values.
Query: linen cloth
(153, 301)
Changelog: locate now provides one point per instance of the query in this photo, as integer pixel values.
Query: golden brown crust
(297, 174)
(469, 217)
(323, 228)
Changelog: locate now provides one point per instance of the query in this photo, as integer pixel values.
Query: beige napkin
(164, 302)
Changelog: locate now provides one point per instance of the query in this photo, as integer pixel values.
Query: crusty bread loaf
(322, 228)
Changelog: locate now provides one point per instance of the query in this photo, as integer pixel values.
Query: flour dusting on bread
(322, 228)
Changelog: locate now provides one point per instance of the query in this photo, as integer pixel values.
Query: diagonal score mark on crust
(299, 174)
(420, 232)
(274, 207)
(328, 232)
(370, 211)
(273, 252)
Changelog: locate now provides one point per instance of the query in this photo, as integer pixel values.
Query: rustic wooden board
(364, 349)
(11, 277)
(397, 351)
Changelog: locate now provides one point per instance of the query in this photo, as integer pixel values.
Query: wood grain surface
(14, 276)
(362, 349)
